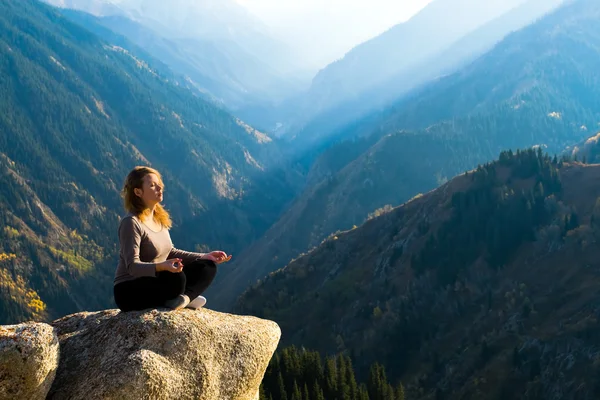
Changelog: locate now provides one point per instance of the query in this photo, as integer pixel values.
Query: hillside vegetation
(486, 286)
(76, 114)
(538, 87)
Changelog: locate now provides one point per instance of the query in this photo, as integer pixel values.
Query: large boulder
(28, 360)
(159, 354)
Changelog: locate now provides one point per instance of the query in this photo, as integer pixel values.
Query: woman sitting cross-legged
(151, 272)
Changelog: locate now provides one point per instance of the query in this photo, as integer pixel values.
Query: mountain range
(77, 114)
(407, 56)
(515, 96)
(224, 51)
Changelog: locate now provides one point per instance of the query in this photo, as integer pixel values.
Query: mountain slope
(223, 49)
(221, 21)
(516, 96)
(357, 85)
(479, 289)
(95, 7)
(117, 29)
(76, 114)
(372, 61)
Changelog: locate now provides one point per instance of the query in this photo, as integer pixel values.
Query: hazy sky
(324, 30)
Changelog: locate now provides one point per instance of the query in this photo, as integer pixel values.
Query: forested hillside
(539, 87)
(221, 48)
(486, 287)
(76, 114)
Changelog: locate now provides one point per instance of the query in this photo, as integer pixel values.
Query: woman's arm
(187, 256)
(130, 237)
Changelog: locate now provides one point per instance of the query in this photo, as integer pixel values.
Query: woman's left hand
(217, 256)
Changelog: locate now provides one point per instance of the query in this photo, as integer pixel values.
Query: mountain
(378, 72)
(224, 21)
(372, 62)
(515, 96)
(486, 287)
(76, 114)
(221, 48)
(95, 7)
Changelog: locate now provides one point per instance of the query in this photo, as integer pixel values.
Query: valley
(420, 217)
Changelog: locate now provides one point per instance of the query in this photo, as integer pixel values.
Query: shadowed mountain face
(479, 289)
(537, 87)
(76, 114)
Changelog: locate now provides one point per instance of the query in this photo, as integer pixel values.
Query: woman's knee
(201, 270)
(202, 263)
(211, 268)
(173, 283)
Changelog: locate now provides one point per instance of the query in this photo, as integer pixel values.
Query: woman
(151, 272)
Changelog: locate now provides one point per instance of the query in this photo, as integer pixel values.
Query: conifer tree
(305, 393)
(363, 394)
(400, 392)
(281, 392)
(330, 389)
(317, 392)
(296, 395)
(350, 379)
(343, 390)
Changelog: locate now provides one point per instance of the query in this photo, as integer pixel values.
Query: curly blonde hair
(134, 204)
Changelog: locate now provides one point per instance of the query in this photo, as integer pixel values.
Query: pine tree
(330, 388)
(400, 392)
(376, 383)
(281, 392)
(343, 389)
(363, 394)
(305, 393)
(350, 379)
(290, 362)
(270, 380)
(296, 394)
(317, 392)
(312, 367)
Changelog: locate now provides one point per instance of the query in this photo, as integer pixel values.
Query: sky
(324, 30)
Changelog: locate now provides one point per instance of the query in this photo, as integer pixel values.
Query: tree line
(301, 374)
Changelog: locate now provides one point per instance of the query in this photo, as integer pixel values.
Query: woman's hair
(135, 204)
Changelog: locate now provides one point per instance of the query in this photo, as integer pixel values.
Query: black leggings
(150, 292)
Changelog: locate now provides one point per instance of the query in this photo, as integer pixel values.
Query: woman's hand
(173, 265)
(217, 256)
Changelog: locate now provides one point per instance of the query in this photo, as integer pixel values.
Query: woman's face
(151, 192)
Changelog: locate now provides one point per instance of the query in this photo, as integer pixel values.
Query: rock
(159, 354)
(28, 360)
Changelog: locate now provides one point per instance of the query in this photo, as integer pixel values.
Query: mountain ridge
(513, 97)
(77, 113)
(234, 63)
(455, 304)
(448, 59)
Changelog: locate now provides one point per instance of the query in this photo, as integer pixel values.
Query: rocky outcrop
(186, 354)
(29, 356)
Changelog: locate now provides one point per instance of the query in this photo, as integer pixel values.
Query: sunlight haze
(324, 30)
